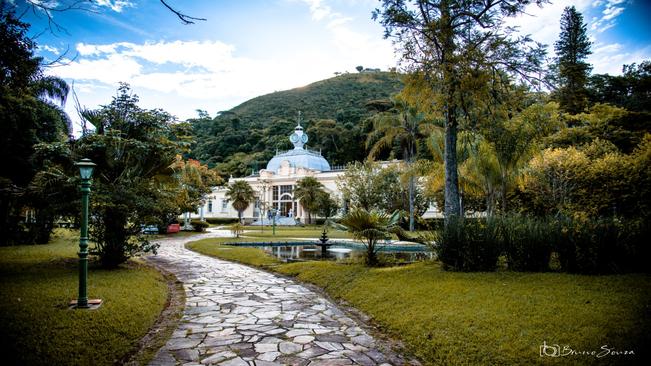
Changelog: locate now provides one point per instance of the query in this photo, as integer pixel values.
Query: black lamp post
(86, 171)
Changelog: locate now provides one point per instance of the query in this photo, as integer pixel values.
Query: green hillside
(333, 114)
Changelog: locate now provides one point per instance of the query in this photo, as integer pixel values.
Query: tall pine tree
(572, 72)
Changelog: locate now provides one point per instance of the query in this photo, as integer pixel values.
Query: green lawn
(37, 328)
(452, 318)
(308, 231)
(251, 256)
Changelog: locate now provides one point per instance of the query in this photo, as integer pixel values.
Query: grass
(308, 231)
(251, 256)
(36, 284)
(451, 318)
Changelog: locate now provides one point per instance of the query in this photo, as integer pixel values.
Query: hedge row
(603, 245)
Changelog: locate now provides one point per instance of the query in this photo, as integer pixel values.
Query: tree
(307, 192)
(240, 194)
(358, 186)
(456, 44)
(135, 151)
(370, 226)
(514, 139)
(359, 68)
(572, 48)
(632, 90)
(404, 126)
(327, 206)
(370, 186)
(192, 182)
(30, 114)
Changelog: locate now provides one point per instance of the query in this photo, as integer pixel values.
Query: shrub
(199, 226)
(220, 221)
(527, 242)
(237, 229)
(604, 245)
(469, 245)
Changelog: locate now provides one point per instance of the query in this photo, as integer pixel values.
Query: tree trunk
(371, 257)
(112, 253)
(450, 84)
(409, 153)
(452, 199)
(503, 194)
(411, 203)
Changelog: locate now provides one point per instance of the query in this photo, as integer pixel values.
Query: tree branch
(185, 19)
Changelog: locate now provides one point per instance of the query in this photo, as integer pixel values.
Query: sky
(249, 48)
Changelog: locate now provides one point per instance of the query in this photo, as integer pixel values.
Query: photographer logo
(556, 350)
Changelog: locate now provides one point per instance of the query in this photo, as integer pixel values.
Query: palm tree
(240, 194)
(403, 125)
(370, 227)
(308, 191)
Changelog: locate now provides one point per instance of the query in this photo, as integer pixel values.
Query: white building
(275, 184)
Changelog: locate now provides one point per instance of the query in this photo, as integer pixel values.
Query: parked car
(149, 229)
(173, 228)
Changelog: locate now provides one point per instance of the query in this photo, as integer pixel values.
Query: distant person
(290, 213)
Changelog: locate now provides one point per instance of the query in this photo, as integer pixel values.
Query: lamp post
(264, 184)
(86, 172)
(274, 211)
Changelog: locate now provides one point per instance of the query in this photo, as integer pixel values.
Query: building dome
(299, 157)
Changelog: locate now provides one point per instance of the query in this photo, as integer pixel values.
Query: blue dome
(299, 158)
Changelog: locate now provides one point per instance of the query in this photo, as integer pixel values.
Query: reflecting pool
(291, 251)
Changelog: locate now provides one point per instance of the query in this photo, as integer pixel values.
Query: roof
(299, 158)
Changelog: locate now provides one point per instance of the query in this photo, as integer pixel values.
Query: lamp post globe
(85, 168)
(86, 172)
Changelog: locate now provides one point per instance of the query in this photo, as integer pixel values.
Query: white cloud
(608, 48)
(318, 9)
(182, 76)
(110, 70)
(115, 5)
(372, 50)
(543, 24)
(49, 48)
(612, 9)
(94, 50)
(609, 59)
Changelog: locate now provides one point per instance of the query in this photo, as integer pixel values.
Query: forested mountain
(333, 113)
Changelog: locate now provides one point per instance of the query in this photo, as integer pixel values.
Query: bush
(199, 226)
(237, 229)
(434, 224)
(604, 245)
(469, 245)
(527, 242)
(583, 245)
(220, 221)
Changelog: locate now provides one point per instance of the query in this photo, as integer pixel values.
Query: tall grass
(469, 245)
(602, 245)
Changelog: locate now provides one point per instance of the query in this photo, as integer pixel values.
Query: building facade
(274, 185)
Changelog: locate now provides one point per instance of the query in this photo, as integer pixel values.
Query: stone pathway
(237, 315)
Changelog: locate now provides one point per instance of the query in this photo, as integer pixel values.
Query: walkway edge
(167, 321)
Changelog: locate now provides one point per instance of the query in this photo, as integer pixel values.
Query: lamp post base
(92, 304)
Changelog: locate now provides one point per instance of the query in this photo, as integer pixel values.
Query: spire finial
(299, 118)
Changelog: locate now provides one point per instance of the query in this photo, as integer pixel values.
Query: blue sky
(249, 48)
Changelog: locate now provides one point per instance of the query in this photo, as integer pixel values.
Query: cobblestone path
(237, 315)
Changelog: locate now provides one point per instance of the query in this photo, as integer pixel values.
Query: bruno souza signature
(555, 350)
